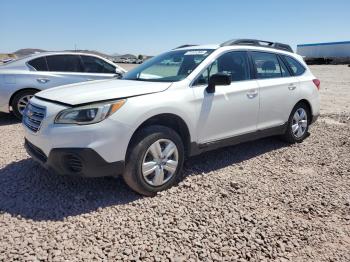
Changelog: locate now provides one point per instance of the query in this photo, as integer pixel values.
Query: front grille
(33, 115)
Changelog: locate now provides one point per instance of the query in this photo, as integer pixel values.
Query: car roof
(240, 47)
(60, 53)
(192, 47)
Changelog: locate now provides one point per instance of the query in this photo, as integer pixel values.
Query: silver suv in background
(22, 78)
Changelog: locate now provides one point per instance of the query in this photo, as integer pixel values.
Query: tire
(18, 102)
(293, 135)
(142, 150)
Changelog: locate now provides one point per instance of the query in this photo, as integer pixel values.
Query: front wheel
(298, 124)
(154, 161)
(20, 101)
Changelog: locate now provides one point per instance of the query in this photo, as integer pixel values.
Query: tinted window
(234, 64)
(64, 63)
(39, 64)
(267, 65)
(296, 67)
(284, 69)
(95, 65)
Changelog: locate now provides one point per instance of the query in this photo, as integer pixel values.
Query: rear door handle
(42, 80)
(251, 94)
(292, 86)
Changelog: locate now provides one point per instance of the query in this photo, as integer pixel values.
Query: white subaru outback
(181, 103)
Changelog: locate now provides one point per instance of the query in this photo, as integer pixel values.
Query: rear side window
(95, 65)
(297, 68)
(64, 63)
(267, 65)
(39, 64)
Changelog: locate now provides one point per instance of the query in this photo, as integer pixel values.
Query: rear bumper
(4, 108)
(4, 98)
(83, 162)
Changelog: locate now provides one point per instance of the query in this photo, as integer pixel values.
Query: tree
(140, 57)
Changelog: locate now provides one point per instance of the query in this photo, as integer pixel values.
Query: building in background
(325, 53)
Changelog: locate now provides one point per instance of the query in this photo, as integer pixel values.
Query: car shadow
(29, 191)
(8, 119)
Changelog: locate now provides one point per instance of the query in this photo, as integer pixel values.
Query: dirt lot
(260, 201)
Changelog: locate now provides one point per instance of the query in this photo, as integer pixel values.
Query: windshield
(169, 67)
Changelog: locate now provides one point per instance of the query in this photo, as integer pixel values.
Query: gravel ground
(259, 201)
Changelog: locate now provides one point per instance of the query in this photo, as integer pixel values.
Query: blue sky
(153, 26)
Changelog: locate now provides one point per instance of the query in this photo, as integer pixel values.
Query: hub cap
(299, 123)
(22, 103)
(160, 162)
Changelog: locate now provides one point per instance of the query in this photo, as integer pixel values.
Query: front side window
(39, 64)
(96, 65)
(296, 67)
(234, 64)
(64, 63)
(169, 67)
(266, 65)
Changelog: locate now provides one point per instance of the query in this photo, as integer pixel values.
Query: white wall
(324, 51)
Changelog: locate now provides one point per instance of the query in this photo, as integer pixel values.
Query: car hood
(100, 90)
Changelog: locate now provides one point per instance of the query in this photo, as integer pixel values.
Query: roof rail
(183, 46)
(261, 43)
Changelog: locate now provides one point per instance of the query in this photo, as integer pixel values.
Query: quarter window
(64, 63)
(284, 69)
(39, 64)
(267, 65)
(296, 67)
(234, 64)
(96, 65)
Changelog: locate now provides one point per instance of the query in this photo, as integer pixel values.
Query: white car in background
(144, 125)
(20, 79)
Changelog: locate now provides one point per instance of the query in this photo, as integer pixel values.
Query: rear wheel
(20, 101)
(154, 161)
(298, 124)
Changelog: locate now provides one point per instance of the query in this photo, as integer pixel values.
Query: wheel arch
(169, 120)
(21, 90)
(308, 104)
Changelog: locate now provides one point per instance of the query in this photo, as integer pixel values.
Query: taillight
(317, 83)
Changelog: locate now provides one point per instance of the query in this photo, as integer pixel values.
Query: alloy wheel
(22, 103)
(299, 123)
(160, 162)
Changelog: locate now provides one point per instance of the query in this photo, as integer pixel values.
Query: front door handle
(42, 80)
(292, 86)
(251, 94)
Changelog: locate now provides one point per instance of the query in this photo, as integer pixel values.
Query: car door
(65, 69)
(279, 91)
(95, 68)
(231, 110)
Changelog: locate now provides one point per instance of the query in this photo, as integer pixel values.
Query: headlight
(89, 114)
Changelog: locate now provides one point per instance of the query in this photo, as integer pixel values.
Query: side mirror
(118, 73)
(218, 79)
